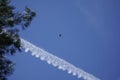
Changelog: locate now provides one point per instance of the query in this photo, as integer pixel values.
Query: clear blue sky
(90, 38)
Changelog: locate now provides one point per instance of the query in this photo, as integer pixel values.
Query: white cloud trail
(56, 61)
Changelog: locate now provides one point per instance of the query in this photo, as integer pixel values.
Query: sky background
(90, 38)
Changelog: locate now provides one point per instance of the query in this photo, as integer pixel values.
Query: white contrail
(56, 61)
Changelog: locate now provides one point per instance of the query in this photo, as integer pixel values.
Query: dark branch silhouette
(9, 34)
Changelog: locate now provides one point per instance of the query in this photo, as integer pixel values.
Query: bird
(60, 35)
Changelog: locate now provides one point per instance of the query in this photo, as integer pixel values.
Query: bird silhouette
(60, 35)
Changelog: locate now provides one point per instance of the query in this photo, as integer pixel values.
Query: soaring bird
(60, 35)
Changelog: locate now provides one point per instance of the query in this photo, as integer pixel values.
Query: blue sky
(90, 38)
